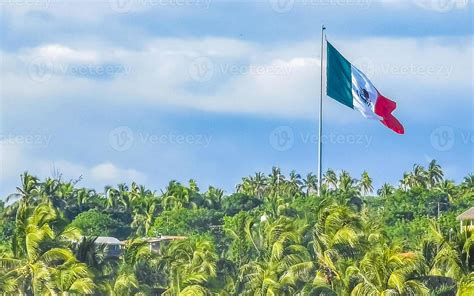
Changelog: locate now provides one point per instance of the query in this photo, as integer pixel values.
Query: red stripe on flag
(384, 108)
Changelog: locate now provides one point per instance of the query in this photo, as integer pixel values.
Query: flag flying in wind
(349, 86)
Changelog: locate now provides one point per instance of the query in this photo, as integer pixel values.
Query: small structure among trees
(156, 243)
(466, 220)
(113, 246)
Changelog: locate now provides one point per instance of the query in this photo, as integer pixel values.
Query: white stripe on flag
(364, 94)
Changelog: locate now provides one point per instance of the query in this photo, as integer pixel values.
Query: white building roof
(108, 240)
(467, 215)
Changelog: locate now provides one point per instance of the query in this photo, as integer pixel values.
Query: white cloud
(229, 75)
(59, 53)
(108, 172)
(17, 158)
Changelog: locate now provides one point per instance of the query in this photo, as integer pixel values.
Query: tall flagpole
(320, 141)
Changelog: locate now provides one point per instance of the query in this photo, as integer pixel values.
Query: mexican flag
(349, 86)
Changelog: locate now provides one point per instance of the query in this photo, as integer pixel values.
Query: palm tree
(112, 197)
(125, 197)
(260, 184)
(83, 196)
(330, 179)
(190, 264)
(310, 183)
(9, 284)
(336, 237)
(448, 188)
(406, 181)
(419, 176)
(49, 189)
(444, 257)
(94, 256)
(294, 184)
(346, 184)
(275, 182)
(435, 173)
(385, 190)
(386, 270)
(193, 186)
(124, 283)
(29, 190)
(366, 183)
(213, 197)
(73, 278)
(283, 260)
(468, 184)
(143, 214)
(466, 285)
(41, 269)
(277, 275)
(177, 196)
(254, 185)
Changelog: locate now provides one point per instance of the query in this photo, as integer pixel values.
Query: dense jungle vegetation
(273, 236)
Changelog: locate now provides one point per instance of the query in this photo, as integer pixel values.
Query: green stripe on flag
(339, 81)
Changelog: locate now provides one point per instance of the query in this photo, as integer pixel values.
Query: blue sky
(155, 90)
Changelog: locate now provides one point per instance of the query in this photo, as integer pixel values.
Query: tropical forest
(276, 234)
